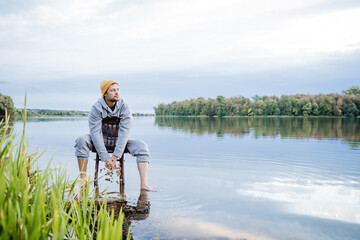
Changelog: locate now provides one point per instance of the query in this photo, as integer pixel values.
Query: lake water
(235, 178)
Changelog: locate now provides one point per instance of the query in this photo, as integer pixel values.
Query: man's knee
(139, 149)
(82, 140)
(83, 146)
(142, 145)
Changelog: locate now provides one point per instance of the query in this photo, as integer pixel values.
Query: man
(111, 105)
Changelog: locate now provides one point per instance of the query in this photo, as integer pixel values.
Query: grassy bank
(39, 204)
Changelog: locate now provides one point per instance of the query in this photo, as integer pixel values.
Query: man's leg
(82, 167)
(143, 171)
(82, 148)
(140, 150)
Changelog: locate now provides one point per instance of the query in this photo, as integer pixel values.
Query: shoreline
(257, 116)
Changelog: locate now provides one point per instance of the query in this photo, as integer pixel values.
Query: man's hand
(111, 163)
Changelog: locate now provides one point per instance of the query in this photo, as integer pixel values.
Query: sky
(161, 51)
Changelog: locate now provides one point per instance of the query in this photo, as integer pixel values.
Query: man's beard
(111, 99)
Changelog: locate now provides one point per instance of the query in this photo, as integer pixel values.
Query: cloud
(325, 33)
(89, 37)
(200, 48)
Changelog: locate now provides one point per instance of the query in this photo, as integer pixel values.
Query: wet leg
(143, 171)
(82, 167)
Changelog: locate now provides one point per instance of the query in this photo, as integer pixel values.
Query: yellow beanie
(105, 84)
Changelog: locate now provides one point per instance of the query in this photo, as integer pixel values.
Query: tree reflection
(346, 129)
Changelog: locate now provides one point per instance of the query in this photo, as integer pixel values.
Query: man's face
(112, 94)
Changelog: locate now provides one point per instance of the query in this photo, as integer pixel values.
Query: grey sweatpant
(136, 148)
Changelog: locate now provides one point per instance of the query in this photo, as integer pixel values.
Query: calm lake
(232, 178)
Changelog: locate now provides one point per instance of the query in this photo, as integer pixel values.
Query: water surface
(235, 178)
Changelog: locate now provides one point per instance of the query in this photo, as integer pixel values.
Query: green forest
(334, 104)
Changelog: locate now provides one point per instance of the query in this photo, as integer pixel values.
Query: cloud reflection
(335, 200)
(193, 228)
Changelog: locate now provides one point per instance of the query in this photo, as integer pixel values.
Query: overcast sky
(170, 50)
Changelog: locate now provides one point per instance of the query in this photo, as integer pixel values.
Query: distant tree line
(49, 112)
(67, 113)
(143, 114)
(346, 104)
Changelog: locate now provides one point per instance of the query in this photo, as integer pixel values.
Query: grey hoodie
(101, 110)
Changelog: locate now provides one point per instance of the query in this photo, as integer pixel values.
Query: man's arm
(124, 129)
(95, 124)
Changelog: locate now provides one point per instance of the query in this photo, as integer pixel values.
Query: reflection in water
(346, 129)
(188, 228)
(138, 212)
(260, 184)
(323, 199)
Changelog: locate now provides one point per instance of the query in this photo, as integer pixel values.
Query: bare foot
(148, 188)
(82, 182)
(78, 187)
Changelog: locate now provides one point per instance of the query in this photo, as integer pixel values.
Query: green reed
(43, 204)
